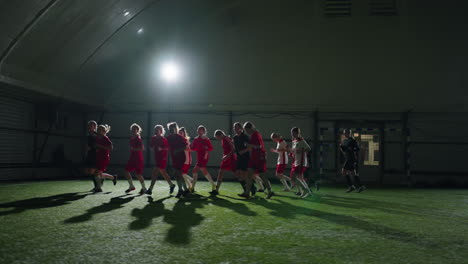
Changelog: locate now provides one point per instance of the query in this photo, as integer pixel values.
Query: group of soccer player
(244, 155)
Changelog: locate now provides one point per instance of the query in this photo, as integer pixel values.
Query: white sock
(259, 183)
(188, 180)
(210, 179)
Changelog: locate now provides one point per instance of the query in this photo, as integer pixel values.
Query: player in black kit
(350, 149)
(240, 143)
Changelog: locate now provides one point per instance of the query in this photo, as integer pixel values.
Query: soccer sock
(153, 182)
(348, 179)
(94, 180)
(285, 184)
(218, 184)
(142, 182)
(286, 178)
(187, 180)
(357, 180)
(130, 182)
(210, 179)
(306, 186)
(243, 183)
(259, 183)
(97, 179)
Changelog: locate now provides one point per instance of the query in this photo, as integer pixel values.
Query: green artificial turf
(59, 222)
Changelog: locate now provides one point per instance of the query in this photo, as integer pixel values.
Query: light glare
(170, 72)
(140, 31)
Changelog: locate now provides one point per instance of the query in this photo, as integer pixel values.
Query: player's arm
(233, 149)
(209, 146)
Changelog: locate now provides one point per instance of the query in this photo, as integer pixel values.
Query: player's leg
(208, 177)
(346, 173)
(97, 177)
(195, 172)
(219, 181)
(259, 182)
(249, 178)
(142, 182)
(168, 179)
(357, 180)
(128, 176)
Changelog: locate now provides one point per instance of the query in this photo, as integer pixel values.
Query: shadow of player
(145, 216)
(361, 203)
(182, 218)
(41, 202)
(239, 208)
(286, 210)
(113, 204)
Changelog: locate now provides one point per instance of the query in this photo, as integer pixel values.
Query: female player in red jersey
(177, 146)
(257, 161)
(161, 146)
(188, 160)
(229, 160)
(135, 162)
(202, 145)
(103, 148)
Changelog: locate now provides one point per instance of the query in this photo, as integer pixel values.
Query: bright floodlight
(126, 13)
(170, 72)
(140, 31)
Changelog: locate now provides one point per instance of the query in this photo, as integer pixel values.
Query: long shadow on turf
(145, 216)
(183, 216)
(41, 202)
(359, 203)
(113, 204)
(286, 210)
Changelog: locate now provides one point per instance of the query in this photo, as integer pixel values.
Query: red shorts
(280, 168)
(202, 163)
(161, 164)
(102, 163)
(135, 163)
(185, 168)
(228, 164)
(178, 161)
(298, 170)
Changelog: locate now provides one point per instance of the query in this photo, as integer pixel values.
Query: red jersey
(135, 163)
(104, 141)
(203, 147)
(177, 145)
(156, 143)
(257, 140)
(227, 145)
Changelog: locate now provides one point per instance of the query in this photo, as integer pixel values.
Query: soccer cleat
(286, 190)
(142, 191)
(149, 192)
(214, 192)
(350, 189)
(186, 193)
(317, 186)
(179, 194)
(246, 196)
(362, 188)
(171, 189)
(192, 190)
(114, 181)
(270, 194)
(130, 189)
(305, 195)
(97, 190)
(261, 190)
(298, 193)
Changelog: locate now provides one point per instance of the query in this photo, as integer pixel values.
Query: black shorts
(350, 165)
(242, 163)
(90, 160)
